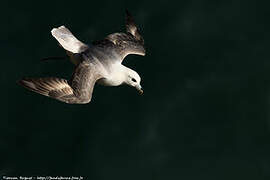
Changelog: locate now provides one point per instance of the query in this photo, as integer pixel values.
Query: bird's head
(133, 79)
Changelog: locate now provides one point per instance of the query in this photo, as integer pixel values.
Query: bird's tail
(67, 40)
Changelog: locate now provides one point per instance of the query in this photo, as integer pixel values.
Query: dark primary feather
(132, 28)
(77, 91)
(122, 44)
(125, 44)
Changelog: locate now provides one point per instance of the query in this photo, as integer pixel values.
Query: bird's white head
(133, 79)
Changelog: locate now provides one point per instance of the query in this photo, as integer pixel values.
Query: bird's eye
(134, 80)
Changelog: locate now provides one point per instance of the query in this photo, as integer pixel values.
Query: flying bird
(99, 62)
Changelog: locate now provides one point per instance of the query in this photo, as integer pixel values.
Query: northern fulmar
(100, 61)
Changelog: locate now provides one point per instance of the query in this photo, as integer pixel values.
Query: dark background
(204, 114)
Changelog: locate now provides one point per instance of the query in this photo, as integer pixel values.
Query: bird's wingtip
(20, 81)
(26, 83)
(128, 15)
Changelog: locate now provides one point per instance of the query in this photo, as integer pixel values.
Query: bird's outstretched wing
(127, 43)
(67, 40)
(132, 28)
(76, 91)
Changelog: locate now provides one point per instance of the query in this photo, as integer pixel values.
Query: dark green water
(204, 114)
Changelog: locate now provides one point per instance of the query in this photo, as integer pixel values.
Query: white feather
(67, 40)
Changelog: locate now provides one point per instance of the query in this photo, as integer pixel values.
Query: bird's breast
(109, 82)
(115, 77)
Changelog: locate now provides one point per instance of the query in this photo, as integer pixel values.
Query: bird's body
(99, 62)
(112, 73)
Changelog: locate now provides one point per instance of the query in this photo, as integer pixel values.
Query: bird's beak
(139, 88)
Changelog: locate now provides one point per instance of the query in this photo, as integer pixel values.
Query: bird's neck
(116, 77)
(121, 73)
